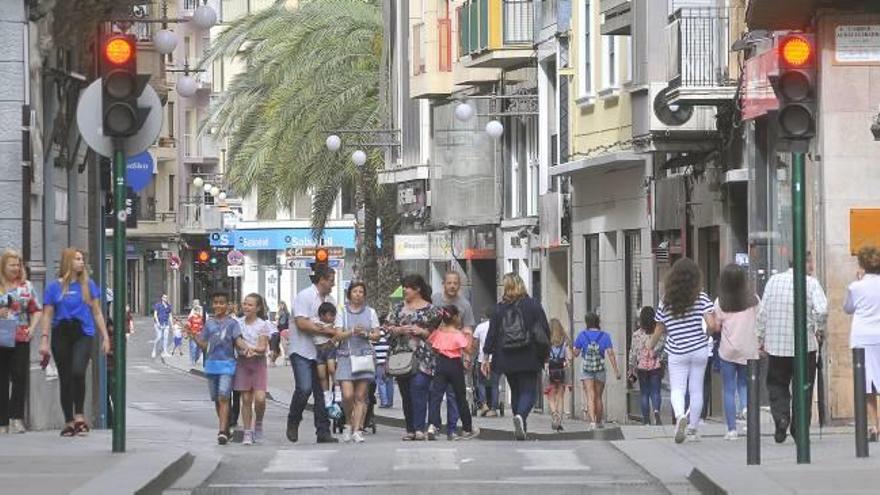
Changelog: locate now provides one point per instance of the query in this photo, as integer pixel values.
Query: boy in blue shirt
(594, 346)
(218, 340)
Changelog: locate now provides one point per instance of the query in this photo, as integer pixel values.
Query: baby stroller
(338, 420)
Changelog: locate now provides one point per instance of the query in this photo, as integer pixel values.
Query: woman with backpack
(594, 346)
(646, 365)
(557, 364)
(736, 314)
(680, 318)
(517, 345)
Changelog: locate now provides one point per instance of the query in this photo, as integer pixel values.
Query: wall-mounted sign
(474, 243)
(281, 239)
(412, 247)
(411, 195)
(220, 239)
(857, 44)
(441, 245)
(235, 271)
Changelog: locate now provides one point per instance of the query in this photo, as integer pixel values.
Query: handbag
(401, 361)
(363, 363)
(8, 327)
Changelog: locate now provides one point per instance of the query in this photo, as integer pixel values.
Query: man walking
(775, 327)
(303, 354)
(451, 295)
(162, 325)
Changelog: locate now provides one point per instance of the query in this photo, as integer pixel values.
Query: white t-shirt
(480, 334)
(252, 333)
(305, 305)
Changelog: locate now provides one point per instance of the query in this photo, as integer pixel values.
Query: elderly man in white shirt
(863, 302)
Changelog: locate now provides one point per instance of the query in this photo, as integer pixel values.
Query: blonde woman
(557, 364)
(512, 348)
(18, 305)
(72, 310)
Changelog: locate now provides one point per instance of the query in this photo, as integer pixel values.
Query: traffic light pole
(799, 250)
(119, 296)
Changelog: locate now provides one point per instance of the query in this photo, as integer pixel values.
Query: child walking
(326, 358)
(557, 363)
(646, 365)
(218, 340)
(449, 342)
(594, 346)
(251, 373)
(178, 337)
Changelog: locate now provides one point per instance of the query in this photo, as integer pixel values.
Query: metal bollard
(753, 415)
(859, 405)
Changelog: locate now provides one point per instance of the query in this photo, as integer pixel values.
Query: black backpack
(514, 332)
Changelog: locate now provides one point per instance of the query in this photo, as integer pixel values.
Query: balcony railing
(199, 147)
(698, 43)
(444, 45)
(516, 19)
(200, 217)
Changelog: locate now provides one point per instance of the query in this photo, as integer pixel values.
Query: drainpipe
(26, 151)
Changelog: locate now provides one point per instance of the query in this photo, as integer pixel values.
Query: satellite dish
(671, 115)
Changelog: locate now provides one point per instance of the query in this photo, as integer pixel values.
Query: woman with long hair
(680, 318)
(282, 322)
(646, 365)
(21, 311)
(410, 323)
(251, 374)
(736, 313)
(557, 364)
(359, 325)
(863, 302)
(72, 307)
(513, 348)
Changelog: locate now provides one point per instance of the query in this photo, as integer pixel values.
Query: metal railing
(473, 24)
(518, 21)
(195, 146)
(198, 216)
(698, 44)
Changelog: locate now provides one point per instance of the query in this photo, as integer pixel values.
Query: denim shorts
(593, 375)
(325, 354)
(220, 386)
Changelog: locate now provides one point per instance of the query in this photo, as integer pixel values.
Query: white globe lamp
(204, 17)
(198, 182)
(215, 191)
(165, 41)
(494, 129)
(359, 158)
(464, 112)
(207, 188)
(187, 86)
(222, 196)
(334, 143)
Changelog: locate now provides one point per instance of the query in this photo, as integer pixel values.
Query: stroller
(338, 420)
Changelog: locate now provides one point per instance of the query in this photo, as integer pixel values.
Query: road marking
(149, 406)
(552, 460)
(145, 369)
(425, 460)
(299, 461)
(540, 481)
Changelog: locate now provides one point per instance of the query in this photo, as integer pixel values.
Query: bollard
(753, 414)
(859, 404)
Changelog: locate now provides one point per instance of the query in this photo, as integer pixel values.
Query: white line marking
(299, 461)
(552, 460)
(425, 460)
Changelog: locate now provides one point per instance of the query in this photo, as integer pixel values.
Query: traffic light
(322, 256)
(121, 86)
(202, 257)
(795, 86)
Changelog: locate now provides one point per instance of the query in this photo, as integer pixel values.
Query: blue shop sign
(221, 239)
(280, 239)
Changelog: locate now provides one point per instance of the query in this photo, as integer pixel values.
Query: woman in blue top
(594, 346)
(72, 308)
(680, 318)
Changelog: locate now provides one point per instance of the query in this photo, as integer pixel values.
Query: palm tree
(309, 69)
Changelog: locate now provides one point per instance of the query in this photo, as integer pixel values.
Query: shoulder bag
(363, 362)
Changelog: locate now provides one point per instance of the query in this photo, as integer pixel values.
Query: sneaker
(258, 432)
(483, 410)
(781, 430)
(420, 436)
(153, 354)
(432, 433)
(327, 438)
(680, 429)
(409, 437)
(222, 439)
(469, 435)
(491, 413)
(591, 427)
(692, 435)
(346, 434)
(16, 426)
(731, 435)
(451, 437)
(248, 438)
(600, 425)
(357, 437)
(519, 430)
(166, 355)
(293, 432)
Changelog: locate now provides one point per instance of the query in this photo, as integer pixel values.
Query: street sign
(89, 120)
(309, 251)
(221, 239)
(139, 170)
(174, 262)
(235, 257)
(234, 271)
(306, 263)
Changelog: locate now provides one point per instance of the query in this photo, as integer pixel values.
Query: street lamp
(333, 143)
(204, 17)
(222, 196)
(207, 188)
(359, 158)
(494, 129)
(464, 111)
(165, 41)
(187, 86)
(198, 182)
(215, 191)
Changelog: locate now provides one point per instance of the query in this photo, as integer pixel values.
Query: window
(188, 131)
(171, 197)
(171, 119)
(418, 49)
(586, 54)
(610, 62)
(591, 264)
(187, 49)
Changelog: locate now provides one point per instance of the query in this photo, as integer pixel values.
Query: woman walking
(355, 360)
(282, 322)
(595, 346)
(646, 365)
(680, 318)
(410, 323)
(557, 364)
(863, 302)
(736, 312)
(72, 310)
(512, 348)
(21, 311)
(251, 374)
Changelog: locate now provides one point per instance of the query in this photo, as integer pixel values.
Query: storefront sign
(441, 245)
(281, 239)
(411, 196)
(758, 96)
(235, 271)
(220, 239)
(412, 247)
(857, 44)
(474, 243)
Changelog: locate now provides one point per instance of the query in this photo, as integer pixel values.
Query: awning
(620, 159)
(398, 293)
(780, 14)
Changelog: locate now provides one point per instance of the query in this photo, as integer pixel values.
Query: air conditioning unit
(670, 119)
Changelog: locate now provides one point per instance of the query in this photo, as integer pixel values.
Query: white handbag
(364, 363)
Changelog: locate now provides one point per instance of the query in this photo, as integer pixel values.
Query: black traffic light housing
(121, 86)
(795, 87)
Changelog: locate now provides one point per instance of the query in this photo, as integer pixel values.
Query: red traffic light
(119, 50)
(203, 256)
(796, 51)
(322, 255)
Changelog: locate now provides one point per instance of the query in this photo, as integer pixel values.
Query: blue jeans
(452, 414)
(523, 392)
(162, 333)
(385, 386)
(482, 382)
(649, 389)
(414, 394)
(306, 383)
(449, 374)
(735, 381)
(195, 352)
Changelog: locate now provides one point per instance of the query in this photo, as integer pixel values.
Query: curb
(131, 475)
(704, 484)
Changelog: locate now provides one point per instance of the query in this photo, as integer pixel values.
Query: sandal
(68, 431)
(81, 428)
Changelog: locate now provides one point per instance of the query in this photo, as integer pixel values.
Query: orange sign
(864, 228)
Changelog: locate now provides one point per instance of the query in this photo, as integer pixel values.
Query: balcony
(617, 17)
(496, 33)
(552, 17)
(197, 218)
(431, 58)
(698, 41)
(199, 149)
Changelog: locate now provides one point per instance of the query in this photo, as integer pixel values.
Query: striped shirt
(685, 333)
(381, 348)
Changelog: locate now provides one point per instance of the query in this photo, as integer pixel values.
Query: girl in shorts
(594, 345)
(557, 363)
(251, 373)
